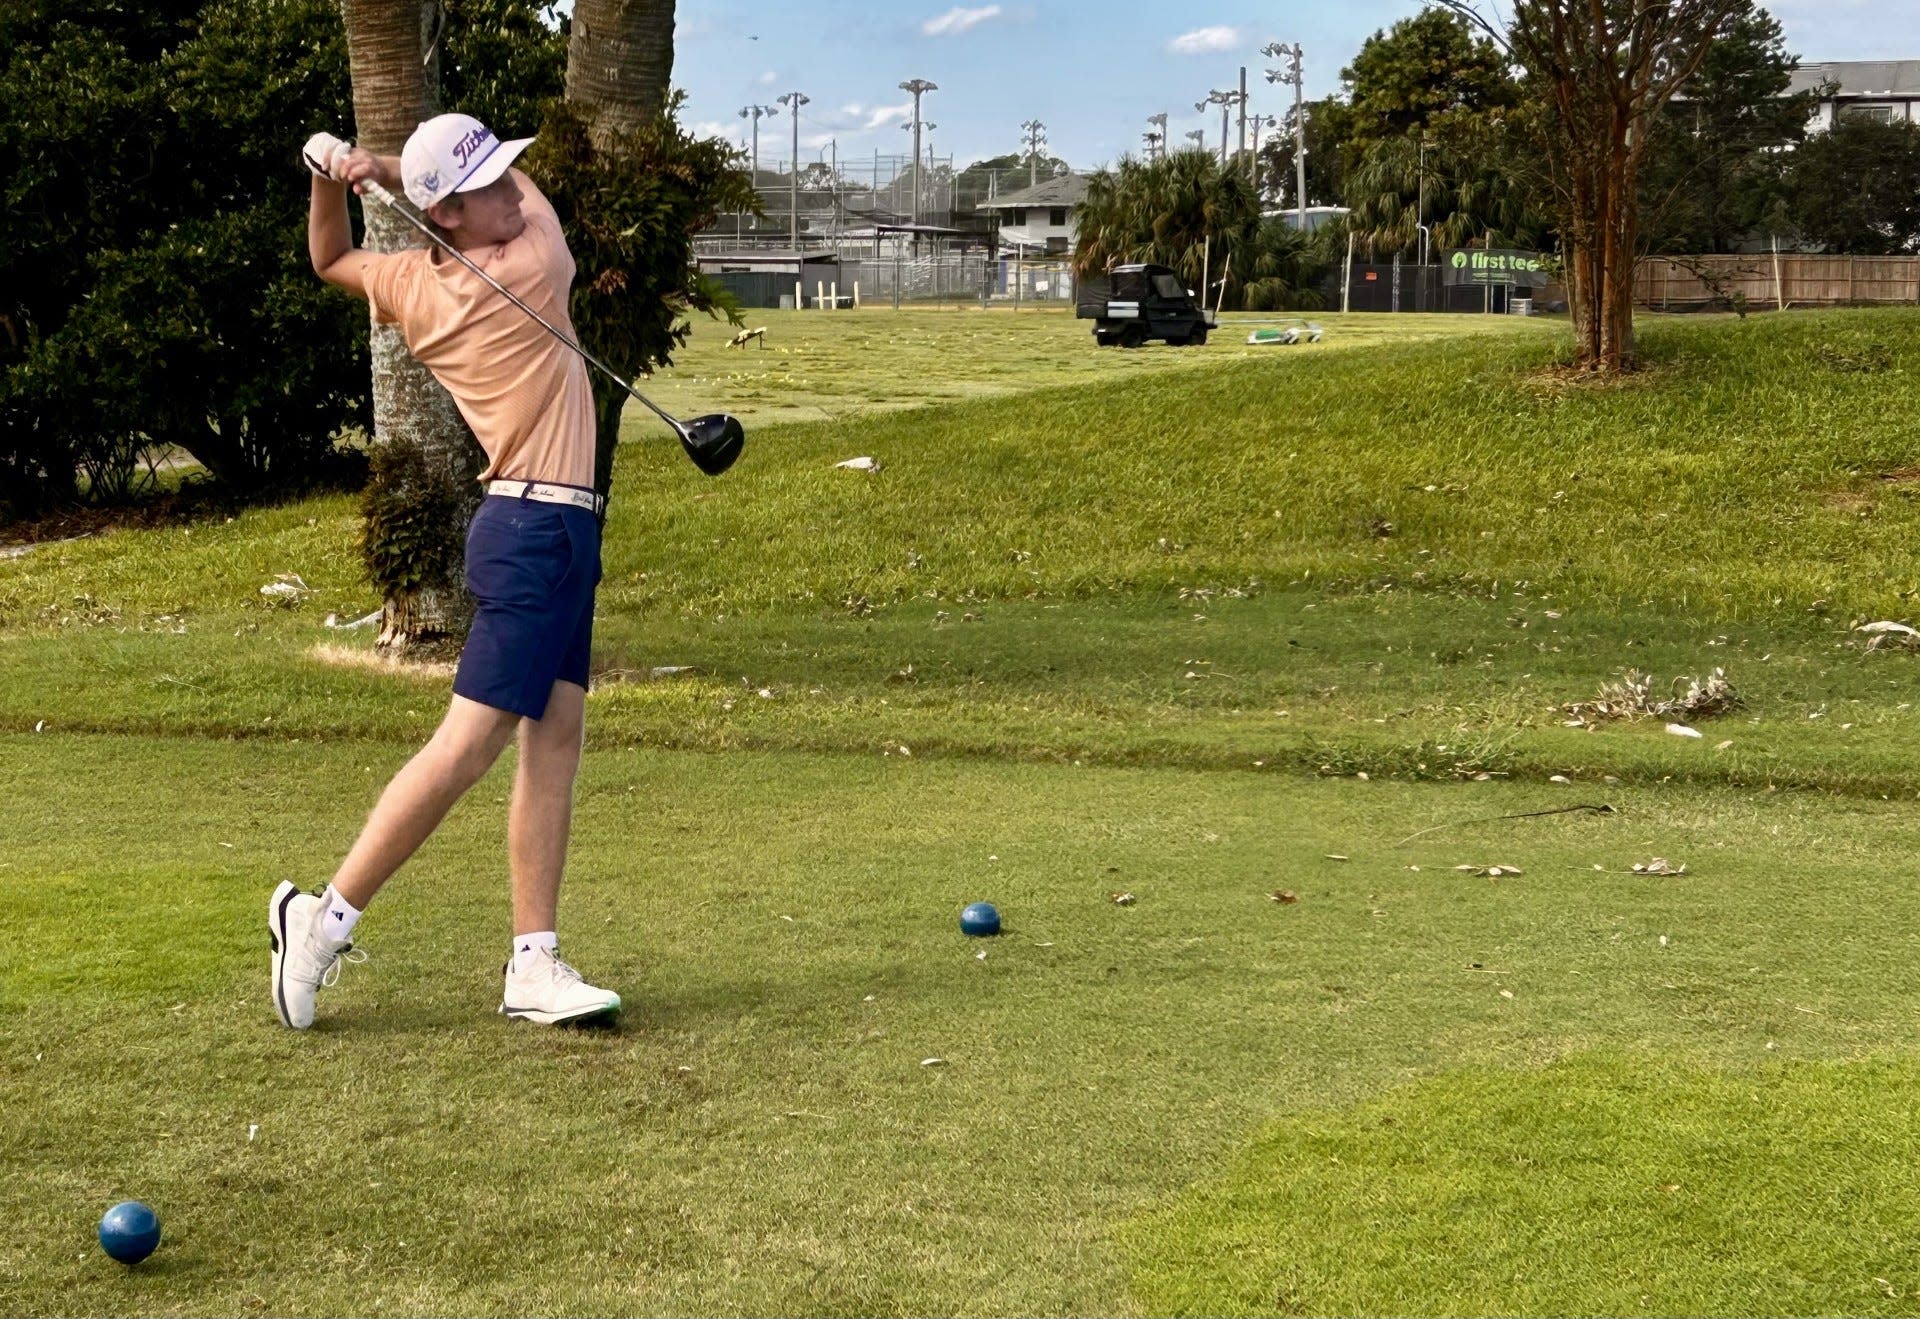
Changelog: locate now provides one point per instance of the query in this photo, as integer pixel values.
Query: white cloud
(885, 114)
(814, 141)
(958, 20)
(853, 108)
(708, 128)
(1205, 41)
(769, 78)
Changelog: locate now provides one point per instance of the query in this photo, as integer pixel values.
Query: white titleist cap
(453, 153)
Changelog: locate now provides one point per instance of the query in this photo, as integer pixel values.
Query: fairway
(1268, 639)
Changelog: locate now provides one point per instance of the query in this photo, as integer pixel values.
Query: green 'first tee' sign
(1497, 265)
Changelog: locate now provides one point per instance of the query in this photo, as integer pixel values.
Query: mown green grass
(783, 926)
(1182, 624)
(839, 366)
(1267, 528)
(1607, 1183)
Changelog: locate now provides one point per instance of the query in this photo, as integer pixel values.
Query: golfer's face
(492, 213)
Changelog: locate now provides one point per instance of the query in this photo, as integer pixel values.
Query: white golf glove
(325, 154)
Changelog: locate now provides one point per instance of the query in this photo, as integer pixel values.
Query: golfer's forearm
(329, 235)
(329, 231)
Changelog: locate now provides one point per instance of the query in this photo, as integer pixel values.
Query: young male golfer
(533, 550)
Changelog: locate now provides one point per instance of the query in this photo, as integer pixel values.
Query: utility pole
(1226, 100)
(1243, 109)
(1158, 137)
(1259, 121)
(1036, 138)
(918, 87)
(1292, 76)
(1198, 138)
(793, 101)
(756, 113)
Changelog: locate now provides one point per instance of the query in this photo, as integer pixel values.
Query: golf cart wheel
(1133, 336)
(1198, 339)
(1104, 339)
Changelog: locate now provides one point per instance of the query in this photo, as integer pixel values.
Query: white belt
(548, 494)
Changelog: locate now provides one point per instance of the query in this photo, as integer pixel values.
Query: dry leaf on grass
(1491, 872)
(1285, 895)
(1886, 634)
(1658, 866)
(1122, 899)
(1632, 698)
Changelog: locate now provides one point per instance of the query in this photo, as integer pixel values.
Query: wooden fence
(1765, 281)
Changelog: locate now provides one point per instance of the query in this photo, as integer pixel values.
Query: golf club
(712, 441)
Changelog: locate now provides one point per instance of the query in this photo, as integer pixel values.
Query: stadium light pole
(793, 101)
(1159, 135)
(916, 128)
(1036, 138)
(1292, 76)
(1199, 139)
(756, 113)
(918, 87)
(1226, 99)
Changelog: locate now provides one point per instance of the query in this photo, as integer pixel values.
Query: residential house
(1040, 220)
(1886, 90)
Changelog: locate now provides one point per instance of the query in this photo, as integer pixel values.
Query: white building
(1886, 90)
(1041, 220)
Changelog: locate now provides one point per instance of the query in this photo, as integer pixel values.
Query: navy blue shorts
(532, 568)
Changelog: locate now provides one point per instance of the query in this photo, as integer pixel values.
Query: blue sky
(1090, 70)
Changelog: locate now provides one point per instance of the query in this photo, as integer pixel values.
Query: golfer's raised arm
(329, 232)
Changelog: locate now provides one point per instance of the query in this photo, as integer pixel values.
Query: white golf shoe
(551, 992)
(304, 959)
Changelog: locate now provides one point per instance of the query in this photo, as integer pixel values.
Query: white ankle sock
(525, 946)
(338, 916)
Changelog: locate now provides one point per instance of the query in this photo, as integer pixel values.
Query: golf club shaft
(373, 188)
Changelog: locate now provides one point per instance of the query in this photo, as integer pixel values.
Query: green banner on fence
(1497, 265)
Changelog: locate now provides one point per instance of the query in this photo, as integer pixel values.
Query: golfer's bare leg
(542, 813)
(458, 756)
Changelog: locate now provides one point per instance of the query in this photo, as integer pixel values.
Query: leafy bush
(154, 289)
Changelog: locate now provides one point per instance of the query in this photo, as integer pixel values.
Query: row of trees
(1600, 129)
(1438, 124)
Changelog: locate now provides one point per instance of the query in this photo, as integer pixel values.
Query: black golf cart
(1132, 304)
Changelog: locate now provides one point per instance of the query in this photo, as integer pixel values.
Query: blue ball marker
(129, 1231)
(979, 919)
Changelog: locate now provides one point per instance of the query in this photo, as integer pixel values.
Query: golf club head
(713, 441)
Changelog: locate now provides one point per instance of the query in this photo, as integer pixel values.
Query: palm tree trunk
(392, 93)
(619, 72)
(620, 63)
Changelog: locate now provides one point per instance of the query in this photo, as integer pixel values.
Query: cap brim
(495, 164)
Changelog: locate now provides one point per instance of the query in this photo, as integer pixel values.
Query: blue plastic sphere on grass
(980, 919)
(129, 1231)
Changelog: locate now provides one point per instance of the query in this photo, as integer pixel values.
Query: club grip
(377, 190)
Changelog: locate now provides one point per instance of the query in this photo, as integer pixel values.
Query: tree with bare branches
(1602, 71)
